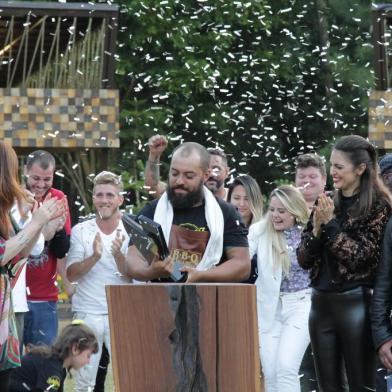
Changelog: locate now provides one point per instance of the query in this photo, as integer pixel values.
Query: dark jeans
(40, 323)
(339, 326)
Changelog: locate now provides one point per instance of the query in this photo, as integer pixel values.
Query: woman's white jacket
(269, 277)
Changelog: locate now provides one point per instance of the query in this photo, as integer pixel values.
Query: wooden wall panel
(140, 327)
(238, 363)
(208, 333)
(184, 337)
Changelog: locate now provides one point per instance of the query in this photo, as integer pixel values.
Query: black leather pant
(339, 326)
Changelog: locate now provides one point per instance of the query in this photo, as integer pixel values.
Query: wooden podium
(180, 338)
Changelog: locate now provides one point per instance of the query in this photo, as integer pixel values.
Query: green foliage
(263, 80)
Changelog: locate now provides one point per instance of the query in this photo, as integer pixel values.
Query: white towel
(214, 217)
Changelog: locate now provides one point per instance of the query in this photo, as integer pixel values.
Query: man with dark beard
(219, 172)
(204, 233)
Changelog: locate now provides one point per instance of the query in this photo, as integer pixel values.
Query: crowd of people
(321, 262)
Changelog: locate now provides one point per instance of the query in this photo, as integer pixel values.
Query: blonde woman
(283, 296)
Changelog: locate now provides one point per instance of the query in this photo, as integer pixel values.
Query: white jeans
(284, 345)
(99, 323)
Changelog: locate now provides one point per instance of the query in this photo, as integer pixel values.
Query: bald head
(188, 149)
(187, 174)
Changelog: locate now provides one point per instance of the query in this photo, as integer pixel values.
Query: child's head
(74, 346)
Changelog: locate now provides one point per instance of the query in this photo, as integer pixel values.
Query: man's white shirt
(90, 295)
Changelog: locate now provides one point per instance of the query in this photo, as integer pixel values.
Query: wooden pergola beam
(21, 8)
(382, 17)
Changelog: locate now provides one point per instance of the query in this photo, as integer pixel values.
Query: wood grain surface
(168, 337)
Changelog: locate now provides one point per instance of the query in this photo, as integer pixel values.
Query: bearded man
(204, 233)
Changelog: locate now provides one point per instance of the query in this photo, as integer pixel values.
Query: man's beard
(217, 184)
(186, 200)
(107, 214)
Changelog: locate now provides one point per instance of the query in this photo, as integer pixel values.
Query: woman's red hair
(10, 189)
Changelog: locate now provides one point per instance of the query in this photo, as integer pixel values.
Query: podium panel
(180, 338)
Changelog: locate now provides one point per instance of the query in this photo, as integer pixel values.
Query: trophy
(148, 238)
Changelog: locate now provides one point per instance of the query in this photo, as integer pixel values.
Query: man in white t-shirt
(98, 246)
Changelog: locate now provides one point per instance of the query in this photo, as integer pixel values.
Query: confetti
(262, 80)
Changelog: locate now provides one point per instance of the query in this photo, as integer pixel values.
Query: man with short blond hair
(98, 246)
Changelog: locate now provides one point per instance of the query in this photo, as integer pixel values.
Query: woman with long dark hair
(342, 245)
(244, 193)
(14, 246)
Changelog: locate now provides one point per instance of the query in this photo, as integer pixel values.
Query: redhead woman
(341, 245)
(283, 296)
(13, 246)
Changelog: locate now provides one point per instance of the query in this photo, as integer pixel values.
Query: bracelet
(154, 163)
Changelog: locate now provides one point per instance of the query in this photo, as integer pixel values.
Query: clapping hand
(97, 246)
(117, 243)
(50, 209)
(29, 204)
(323, 213)
(57, 223)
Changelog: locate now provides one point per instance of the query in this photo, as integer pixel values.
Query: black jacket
(382, 297)
(354, 245)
